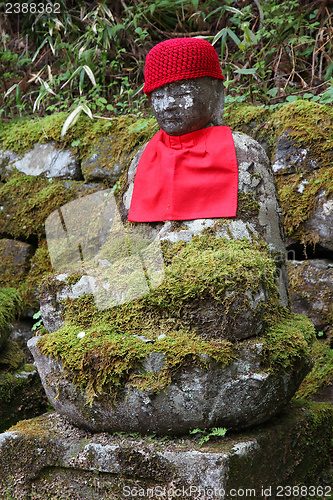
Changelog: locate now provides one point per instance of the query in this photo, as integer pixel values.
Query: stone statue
(197, 183)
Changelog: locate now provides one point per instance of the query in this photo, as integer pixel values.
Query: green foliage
(10, 305)
(37, 316)
(92, 53)
(207, 435)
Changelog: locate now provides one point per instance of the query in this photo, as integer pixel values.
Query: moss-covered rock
(107, 157)
(10, 305)
(298, 138)
(14, 261)
(304, 171)
(311, 291)
(321, 375)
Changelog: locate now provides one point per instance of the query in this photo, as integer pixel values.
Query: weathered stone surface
(319, 225)
(311, 291)
(102, 165)
(21, 394)
(291, 158)
(235, 396)
(55, 290)
(48, 458)
(45, 159)
(304, 179)
(14, 259)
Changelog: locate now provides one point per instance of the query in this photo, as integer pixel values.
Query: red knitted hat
(180, 59)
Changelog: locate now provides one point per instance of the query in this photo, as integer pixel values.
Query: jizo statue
(188, 169)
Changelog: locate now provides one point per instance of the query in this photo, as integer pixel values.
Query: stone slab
(47, 458)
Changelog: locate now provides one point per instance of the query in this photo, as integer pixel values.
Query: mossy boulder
(174, 384)
(303, 167)
(311, 291)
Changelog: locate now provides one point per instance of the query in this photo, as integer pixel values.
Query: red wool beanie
(180, 59)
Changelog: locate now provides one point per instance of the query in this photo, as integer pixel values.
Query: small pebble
(81, 335)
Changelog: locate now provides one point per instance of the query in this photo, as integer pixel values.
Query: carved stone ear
(217, 117)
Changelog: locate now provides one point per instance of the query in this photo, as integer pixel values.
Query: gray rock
(311, 291)
(291, 158)
(239, 395)
(48, 160)
(101, 165)
(52, 294)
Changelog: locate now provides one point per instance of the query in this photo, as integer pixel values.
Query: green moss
(246, 118)
(309, 123)
(209, 267)
(11, 356)
(40, 268)
(21, 135)
(297, 206)
(109, 355)
(321, 374)
(10, 305)
(287, 339)
(310, 126)
(27, 201)
(103, 361)
(247, 206)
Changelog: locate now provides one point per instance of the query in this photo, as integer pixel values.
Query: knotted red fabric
(191, 176)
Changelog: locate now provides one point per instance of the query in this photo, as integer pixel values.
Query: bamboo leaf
(90, 74)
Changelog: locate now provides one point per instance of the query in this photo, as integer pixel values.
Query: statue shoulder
(127, 196)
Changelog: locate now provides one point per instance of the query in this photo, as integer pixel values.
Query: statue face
(187, 105)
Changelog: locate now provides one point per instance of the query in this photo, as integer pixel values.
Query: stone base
(47, 458)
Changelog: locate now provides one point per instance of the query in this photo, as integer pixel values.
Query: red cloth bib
(190, 176)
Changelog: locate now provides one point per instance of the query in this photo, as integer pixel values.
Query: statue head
(184, 80)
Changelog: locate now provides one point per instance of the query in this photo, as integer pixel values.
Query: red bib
(190, 176)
